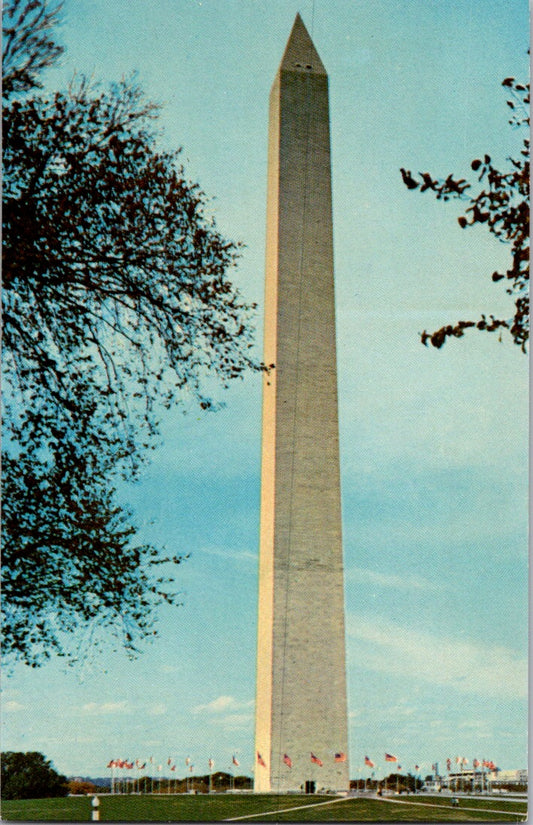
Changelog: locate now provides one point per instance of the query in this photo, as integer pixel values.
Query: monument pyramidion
(301, 706)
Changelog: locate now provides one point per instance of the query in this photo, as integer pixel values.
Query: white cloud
(218, 704)
(221, 704)
(159, 709)
(407, 582)
(470, 667)
(236, 720)
(226, 711)
(229, 553)
(12, 706)
(106, 707)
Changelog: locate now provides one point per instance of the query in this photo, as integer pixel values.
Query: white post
(95, 809)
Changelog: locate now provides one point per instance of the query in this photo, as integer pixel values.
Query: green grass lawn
(263, 808)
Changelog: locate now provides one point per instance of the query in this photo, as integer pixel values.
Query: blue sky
(433, 443)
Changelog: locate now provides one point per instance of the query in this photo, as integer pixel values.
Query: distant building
(434, 785)
(470, 779)
(517, 777)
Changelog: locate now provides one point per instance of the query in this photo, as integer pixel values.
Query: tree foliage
(30, 776)
(28, 44)
(116, 303)
(85, 787)
(501, 204)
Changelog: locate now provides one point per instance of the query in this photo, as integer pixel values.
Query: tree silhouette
(501, 204)
(116, 304)
(30, 776)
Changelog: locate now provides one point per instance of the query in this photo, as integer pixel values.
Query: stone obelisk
(301, 707)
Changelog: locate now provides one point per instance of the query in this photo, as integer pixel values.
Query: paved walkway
(288, 810)
(459, 807)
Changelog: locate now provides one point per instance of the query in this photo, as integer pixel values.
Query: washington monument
(301, 707)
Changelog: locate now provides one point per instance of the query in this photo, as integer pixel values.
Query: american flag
(316, 760)
(261, 760)
(340, 757)
(287, 760)
(390, 758)
(369, 763)
(234, 760)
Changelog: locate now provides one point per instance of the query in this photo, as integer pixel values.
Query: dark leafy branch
(501, 204)
(116, 303)
(28, 46)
